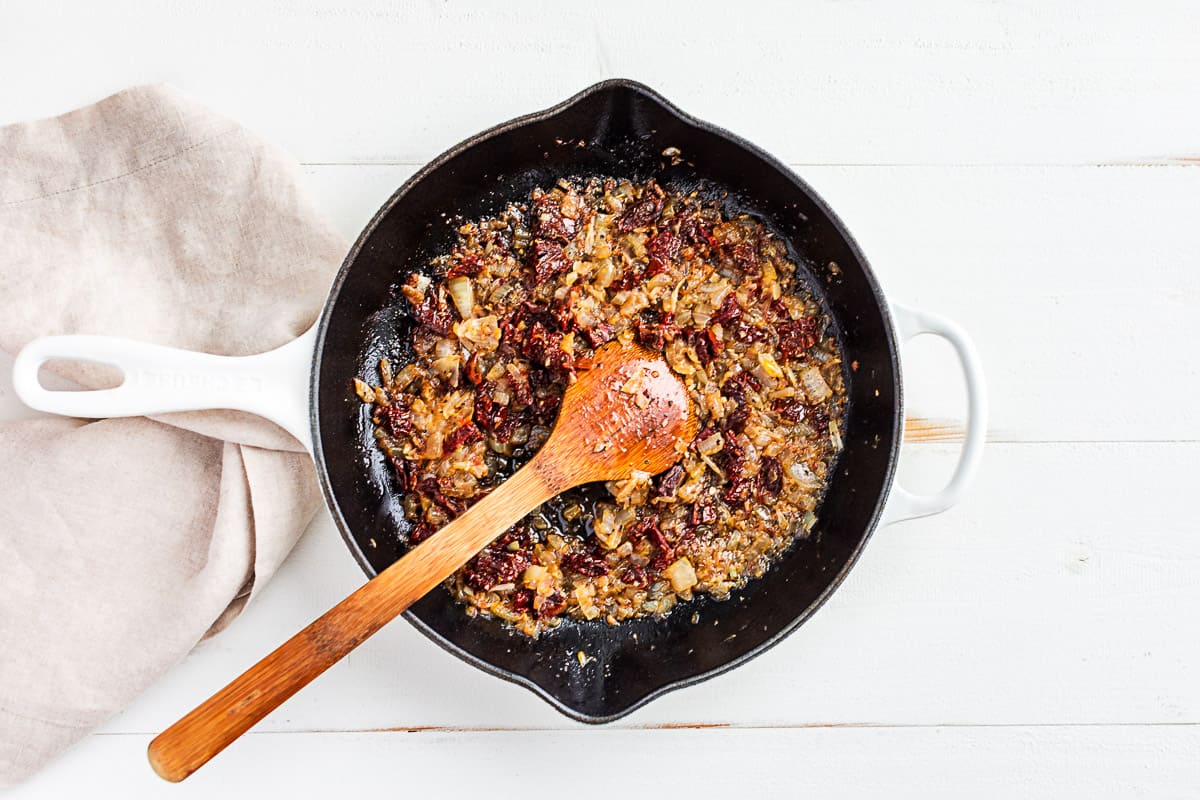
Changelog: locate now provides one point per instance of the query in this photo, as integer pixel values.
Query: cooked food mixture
(514, 311)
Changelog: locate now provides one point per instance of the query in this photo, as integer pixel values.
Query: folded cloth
(125, 542)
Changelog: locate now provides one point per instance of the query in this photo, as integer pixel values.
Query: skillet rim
(891, 342)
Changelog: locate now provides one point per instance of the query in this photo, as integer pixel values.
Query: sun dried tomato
(512, 329)
(494, 566)
(630, 276)
(706, 432)
(466, 434)
(405, 472)
(647, 528)
(549, 222)
(547, 402)
(469, 265)
(729, 311)
(521, 533)
(794, 409)
(745, 381)
(790, 408)
(655, 335)
(599, 334)
(736, 387)
(637, 531)
(745, 256)
(429, 487)
(738, 490)
(817, 418)
(694, 231)
(588, 564)
(505, 430)
(664, 556)
(685, 534)
(548, 260)
(522, 599)
(399, 420)
(657, 536)
(543, 347)
(563, 311)
(706, 343)
(704, 512)
(558, 358)
(635, 576)
(796, 336)
(745, 332)
(641, 213)
(473, 373)
(551, 605)
(740, 485)
(420, 532)
(668, 482)
(770, 477)
(533, 312)
(661, 250)
(434, 313)
(489, 414)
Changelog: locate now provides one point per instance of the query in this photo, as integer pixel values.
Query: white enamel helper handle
(161, 379)
(903, 504)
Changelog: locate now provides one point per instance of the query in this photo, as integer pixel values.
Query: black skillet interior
(617, 128)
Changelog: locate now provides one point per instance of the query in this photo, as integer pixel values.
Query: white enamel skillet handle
(161, 379)
(903, 504)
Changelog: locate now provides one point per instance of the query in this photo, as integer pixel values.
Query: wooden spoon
(626, 413)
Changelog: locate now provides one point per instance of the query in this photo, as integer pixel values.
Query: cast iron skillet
(618, 128)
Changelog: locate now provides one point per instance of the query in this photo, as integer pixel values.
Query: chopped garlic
(463, 294)
(814, 385)
(364, 392)
(481, 335)
(538, 578)
(681, 574)
(769, 365)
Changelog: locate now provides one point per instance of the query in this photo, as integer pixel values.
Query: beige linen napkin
(124, 542)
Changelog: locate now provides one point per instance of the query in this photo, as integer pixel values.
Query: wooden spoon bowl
(626, 413)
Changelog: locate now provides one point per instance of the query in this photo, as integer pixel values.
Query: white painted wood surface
(1029, 170)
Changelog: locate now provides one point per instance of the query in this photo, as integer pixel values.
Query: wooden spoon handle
(188, 744)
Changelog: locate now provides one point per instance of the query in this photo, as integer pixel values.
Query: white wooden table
(1033, 172)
